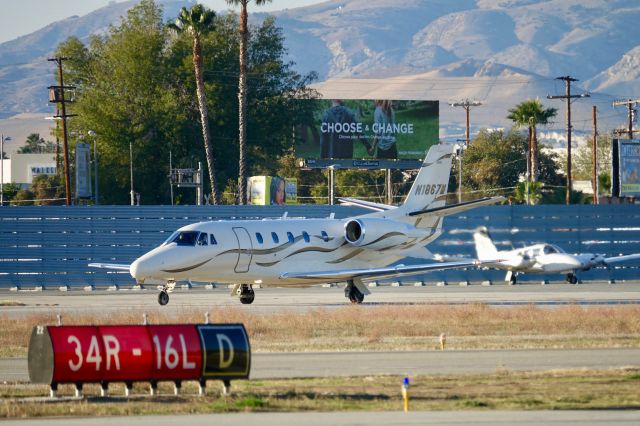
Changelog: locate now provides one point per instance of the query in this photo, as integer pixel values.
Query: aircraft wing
(619, 259)
(385, 272)
(457, 208)
(366, 204)
(115, 266)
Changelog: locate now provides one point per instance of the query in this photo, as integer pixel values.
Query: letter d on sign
(223, 341)
(227, 354)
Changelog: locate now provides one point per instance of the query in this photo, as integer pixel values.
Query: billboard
(626, 164)
(272, 190)
(369, 129)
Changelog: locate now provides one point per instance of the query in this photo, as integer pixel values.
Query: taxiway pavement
(520, 418)
(301, 299)
(411, 363)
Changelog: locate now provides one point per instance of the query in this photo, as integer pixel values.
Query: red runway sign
(130, 353)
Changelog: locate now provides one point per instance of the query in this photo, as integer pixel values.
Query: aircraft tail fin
(485, 248)
(429, 190)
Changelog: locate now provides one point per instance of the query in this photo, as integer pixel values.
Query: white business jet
(539, 258)
(301, 252)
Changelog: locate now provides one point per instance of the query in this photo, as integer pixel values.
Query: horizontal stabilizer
(385, 272)
(458, 208)
(366, 204)
(115, 266)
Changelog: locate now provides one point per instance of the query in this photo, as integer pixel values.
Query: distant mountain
(487, 42)
(390, 37)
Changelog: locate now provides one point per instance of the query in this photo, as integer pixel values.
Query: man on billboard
(338, 130)
(384, 141)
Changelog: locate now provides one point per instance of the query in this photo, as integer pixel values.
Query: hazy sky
(25, 16)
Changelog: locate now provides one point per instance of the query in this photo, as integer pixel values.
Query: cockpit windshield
(550, 249)
(186, 238)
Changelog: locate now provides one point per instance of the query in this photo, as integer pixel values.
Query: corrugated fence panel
(51, 246)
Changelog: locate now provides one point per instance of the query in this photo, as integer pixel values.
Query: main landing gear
(163, 296)
(246, 294)
(572, 278)
(352, 293)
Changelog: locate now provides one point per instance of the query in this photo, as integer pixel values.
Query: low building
(22, 168)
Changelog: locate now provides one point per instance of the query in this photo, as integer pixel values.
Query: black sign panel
(226, 351)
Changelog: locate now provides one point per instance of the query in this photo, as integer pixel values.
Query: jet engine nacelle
(377, 234)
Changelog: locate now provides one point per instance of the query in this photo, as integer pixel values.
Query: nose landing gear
(163, 296)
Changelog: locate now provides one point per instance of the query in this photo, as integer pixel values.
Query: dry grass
(386, 328)
(503, 390)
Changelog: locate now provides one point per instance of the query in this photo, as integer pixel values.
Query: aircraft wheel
(573, 279)
(247, 299)
(163, 298)
(355, 296)
(513, 279)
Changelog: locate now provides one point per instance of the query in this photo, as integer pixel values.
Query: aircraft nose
(139, 269)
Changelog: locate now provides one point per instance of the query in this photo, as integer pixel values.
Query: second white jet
(539, 258)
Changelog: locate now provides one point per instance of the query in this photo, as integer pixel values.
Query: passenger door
(245, 250)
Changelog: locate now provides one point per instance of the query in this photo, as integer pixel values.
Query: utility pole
(131, 192)
(631, 103)
(568, 96)
(459, 153)
(56, 95)
(388, 186)
(466, 104)
(594, 183)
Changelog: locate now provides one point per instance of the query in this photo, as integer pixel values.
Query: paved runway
(276, 299)
(411, 363)
(521, 418)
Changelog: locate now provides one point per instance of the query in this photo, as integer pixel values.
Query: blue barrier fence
(51, 246)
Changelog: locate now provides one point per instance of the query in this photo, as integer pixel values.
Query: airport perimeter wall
(51, 246)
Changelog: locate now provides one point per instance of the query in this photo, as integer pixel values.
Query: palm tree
(197, 22)
(243, 29)
(531, 113)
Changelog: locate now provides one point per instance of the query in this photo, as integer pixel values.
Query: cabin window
(186, 238)
(259, 238)
(325, 236)
(203, 239)
(275, 238)
(213, 239)
(305, 236)
(290, 237)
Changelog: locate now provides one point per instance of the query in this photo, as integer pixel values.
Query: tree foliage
(495, 162)
(583, 162)
(530, 114)
(37, 145)
(135, 84)
(197, 22)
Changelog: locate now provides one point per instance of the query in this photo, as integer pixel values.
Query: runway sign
(135, 353)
